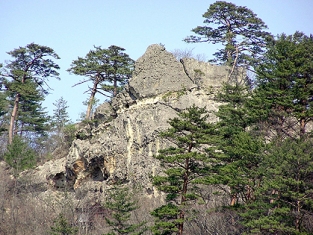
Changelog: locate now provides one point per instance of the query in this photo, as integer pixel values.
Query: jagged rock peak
(124, 138)
(157, 72)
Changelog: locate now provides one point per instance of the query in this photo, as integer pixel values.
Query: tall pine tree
(238, 29)
(24, 76)
(107, 69)
(284, 95)
(185, 163)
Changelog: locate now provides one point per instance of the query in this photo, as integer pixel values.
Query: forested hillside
(181, 146)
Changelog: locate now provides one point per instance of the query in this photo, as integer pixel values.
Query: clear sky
(73, 27)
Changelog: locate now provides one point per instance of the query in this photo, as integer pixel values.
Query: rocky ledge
(120, 141)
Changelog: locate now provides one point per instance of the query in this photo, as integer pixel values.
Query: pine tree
(32, 119)
(4, 110)
(19, 155)
(284, 202)
(121, 203)
(237, 28)
(26, 75)
(60, 117)
(185, 163)
(238, 146)
(62, 227)
(265, 143)
(283, 97)
(108, 70)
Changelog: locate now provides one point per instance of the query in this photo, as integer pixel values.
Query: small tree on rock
(238, 29)
(108, 69)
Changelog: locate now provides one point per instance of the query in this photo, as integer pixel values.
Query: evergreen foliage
(60, 137)
(185, 165)
(19, 155)
(121, 203)
(60, 116)
(4, 110)
(284, 201)
(167, 219)
(69, 133)
(265, 156)
(284, 91)
(32, 117)
(62, 227)
(239, 145)
(238, 29)
(25, 79)
(108, 70)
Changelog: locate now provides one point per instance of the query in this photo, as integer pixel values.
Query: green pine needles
(185, 163)
(121, 203)
(19, 155)
(62, 227)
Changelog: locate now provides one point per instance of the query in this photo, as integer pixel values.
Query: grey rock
(120, 148)
(157, 72)
(204, 74)
(122, 145)
(103, 113)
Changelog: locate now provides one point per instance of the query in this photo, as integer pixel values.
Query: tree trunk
(15, 110)
(13, 117)
(92, 97)
(302, 126)
(89, 107)
(115, 87)
(183, 197)
(233, 200)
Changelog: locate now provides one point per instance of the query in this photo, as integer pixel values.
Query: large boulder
(157, 72)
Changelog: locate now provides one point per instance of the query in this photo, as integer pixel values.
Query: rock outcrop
(119, 144)
(158, 72)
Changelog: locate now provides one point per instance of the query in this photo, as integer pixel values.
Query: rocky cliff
(119, 143)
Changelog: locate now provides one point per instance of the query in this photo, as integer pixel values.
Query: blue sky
(72, 27)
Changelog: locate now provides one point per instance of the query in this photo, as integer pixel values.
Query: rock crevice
(121, 144)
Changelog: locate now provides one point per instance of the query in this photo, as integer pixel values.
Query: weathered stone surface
(120, 146)
(104, 113)
(123, 99)
(157, 72)
(204, 74)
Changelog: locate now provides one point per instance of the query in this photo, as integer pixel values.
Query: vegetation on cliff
(257, 154)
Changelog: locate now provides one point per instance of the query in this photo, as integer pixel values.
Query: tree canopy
(238, 29)
(285, 86)
(26, 80)
(264, 136)
(185, 163)
(108, 70)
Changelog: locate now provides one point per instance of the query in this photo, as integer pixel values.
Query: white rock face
(121, 144)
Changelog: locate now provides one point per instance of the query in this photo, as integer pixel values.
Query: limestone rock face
(204, 74)
(157, 72)
(120, 144)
